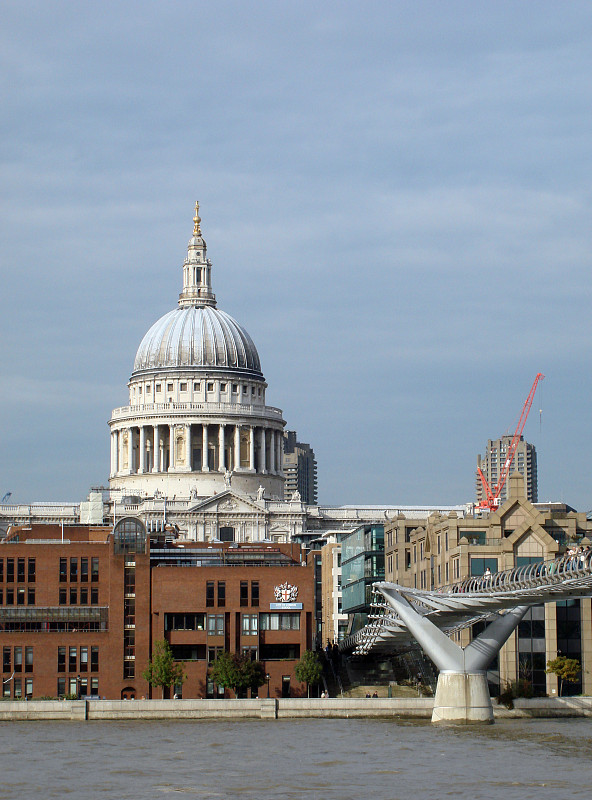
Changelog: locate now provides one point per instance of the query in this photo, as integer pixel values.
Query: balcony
(195, 409)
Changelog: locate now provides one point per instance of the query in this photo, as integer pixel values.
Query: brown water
(281, 760)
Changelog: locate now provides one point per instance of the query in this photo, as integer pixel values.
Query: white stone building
(197, 451)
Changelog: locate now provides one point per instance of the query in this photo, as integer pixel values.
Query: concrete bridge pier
(462, 693)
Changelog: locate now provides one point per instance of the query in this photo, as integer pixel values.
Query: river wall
(285, 708)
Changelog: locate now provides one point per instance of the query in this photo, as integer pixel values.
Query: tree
(566, 669)
(162, 670)
(309, 670)
(237, 672)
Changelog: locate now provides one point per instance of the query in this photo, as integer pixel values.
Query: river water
(282, 760)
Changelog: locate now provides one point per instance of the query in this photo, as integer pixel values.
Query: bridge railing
(527, 576)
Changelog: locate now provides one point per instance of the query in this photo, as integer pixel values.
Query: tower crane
(491, 500)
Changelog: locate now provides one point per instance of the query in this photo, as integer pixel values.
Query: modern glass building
(362, 563)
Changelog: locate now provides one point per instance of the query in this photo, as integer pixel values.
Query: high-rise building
(300, 469)
(492, 464)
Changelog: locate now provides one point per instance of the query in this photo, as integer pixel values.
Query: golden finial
(196, 220)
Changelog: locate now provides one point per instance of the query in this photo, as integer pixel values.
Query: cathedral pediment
(229, 501)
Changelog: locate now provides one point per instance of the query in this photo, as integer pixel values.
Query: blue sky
(395, 196)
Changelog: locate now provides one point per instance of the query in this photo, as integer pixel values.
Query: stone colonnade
(187, 447)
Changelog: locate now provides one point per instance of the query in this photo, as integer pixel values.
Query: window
(184, 622)
(183, 387)
(249, 624)
(250, 652)
(196, 386)
(94, 687)
(2, 569)
(129, 611)
(169, 387)
(235, 387)
(29, 687)
(84, 659)
(28, 659)
(245, 389)
(72, 659)
(10, 597)
(61, 687)
(61, 659)
(31, 570)
(74, 569)
(209, 593)
(222, 387)
(73, 596)
(210, 387)
(157, 388)
(20, 570)
(221, 593)
(479, 565)
(244, 593)
(94, 659)
(84, 596)
(63, 570)
(255, 593)
(94, 572)
(10, 570)
(18, 691)
(280, 622)
(94, 597)
(215, 624)
(1, 597)
(20, 596)
(6, 659)
(84, 570)
(148, 388)
(18, 659)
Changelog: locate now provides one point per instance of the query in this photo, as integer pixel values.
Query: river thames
(281, 760)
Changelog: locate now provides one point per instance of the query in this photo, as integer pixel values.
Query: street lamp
(267, 678)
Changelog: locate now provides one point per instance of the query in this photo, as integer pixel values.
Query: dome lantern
(197, 270)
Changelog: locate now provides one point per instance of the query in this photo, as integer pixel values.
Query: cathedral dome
(196, 336)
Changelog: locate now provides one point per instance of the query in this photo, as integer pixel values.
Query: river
(284, 760)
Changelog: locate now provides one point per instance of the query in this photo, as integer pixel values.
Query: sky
(396, 200)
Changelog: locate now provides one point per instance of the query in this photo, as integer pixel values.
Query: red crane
(491, 501)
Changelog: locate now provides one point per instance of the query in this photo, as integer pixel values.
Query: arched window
(129, 536)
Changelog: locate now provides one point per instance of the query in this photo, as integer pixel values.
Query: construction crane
(491, 501)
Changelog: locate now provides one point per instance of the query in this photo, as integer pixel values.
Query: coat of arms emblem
(285, 593)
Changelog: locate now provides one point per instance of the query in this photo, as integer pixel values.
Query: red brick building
(80, 609)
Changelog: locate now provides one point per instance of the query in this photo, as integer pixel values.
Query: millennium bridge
(404, 617)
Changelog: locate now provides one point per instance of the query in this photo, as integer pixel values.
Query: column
(279, 440)
(171, 448)
(142, 450)
(237, 445)
(251, 448)
(113, 452)
(188, 453)
(204, 449)
(272, 451)
(221, 448)
(262, 463)
(130, 449)
(156, 450)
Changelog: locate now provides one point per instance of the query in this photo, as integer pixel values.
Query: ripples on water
(284, 760)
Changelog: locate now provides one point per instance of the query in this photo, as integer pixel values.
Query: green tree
(566, 669)
(237, 672)
(162, 670)
(309, 670)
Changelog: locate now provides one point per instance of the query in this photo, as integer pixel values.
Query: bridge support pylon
(462, 693)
